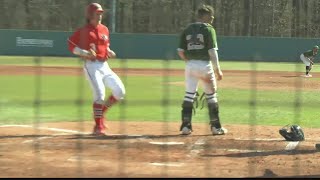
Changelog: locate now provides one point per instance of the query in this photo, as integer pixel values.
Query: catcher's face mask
(292, 133)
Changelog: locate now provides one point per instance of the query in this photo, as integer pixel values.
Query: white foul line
(63, 130)
(173, 164)
(32, 140)
(46, 128)
(26, 126)
(167, 143)
(45, 137)
(77, 159)
(67, 131)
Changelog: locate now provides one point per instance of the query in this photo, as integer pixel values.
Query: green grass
(59, 95)
(154, 64)
(115, 63)
(144, 97)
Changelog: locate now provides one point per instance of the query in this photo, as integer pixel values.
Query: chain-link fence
(50, 123)
(49, 133)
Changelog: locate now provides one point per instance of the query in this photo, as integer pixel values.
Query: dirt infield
(262, 80)
(155, 149)
(59, 150)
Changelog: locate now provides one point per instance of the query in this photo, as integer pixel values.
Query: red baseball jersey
(89, 36)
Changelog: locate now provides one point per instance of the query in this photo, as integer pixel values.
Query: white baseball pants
(197, 70)
(305, 60)
(100, 77)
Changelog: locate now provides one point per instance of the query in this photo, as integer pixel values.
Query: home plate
(173, 164)
(167, 143)
(291, 146)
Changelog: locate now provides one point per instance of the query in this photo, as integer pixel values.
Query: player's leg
(310, 68)
(191, 85)
(112, 81)
(307, 63)
(98, 89)
(210, 89)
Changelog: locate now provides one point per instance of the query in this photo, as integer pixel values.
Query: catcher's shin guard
(186, 115)
(214, 115)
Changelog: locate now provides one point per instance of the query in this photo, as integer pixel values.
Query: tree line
(268, 18)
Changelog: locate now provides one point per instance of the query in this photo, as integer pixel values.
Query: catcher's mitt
(292, 133)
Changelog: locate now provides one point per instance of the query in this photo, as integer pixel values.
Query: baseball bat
(72, 43)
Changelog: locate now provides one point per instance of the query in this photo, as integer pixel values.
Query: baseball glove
(292, 133)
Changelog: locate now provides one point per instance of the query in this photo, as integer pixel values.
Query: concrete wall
(150, 46)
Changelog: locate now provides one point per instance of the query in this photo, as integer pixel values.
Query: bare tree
(277, 18)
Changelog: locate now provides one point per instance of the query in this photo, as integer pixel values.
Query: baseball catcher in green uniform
(198, 48)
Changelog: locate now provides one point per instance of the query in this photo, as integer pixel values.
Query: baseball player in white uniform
(92, 43)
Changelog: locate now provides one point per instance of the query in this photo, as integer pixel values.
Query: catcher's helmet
(316, 47)
(295, 133)
(91, 8)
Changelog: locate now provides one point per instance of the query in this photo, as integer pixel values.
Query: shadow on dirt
(125, 137)
(265, 153)
(294, 76)
(270, 174)
(303, 176)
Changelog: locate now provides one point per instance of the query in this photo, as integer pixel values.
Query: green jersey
(197, 39)
(310, 54)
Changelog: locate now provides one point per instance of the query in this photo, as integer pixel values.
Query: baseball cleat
(218, 131)
(98, 131)
(308, 76)
(186, 131)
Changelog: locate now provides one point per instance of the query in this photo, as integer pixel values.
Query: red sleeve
(74, 40)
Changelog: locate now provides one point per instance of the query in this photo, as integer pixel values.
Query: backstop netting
(46, 114)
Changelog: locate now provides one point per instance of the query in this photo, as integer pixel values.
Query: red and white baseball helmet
(91, 8)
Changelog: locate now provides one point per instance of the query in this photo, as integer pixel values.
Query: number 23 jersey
(197, 39)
